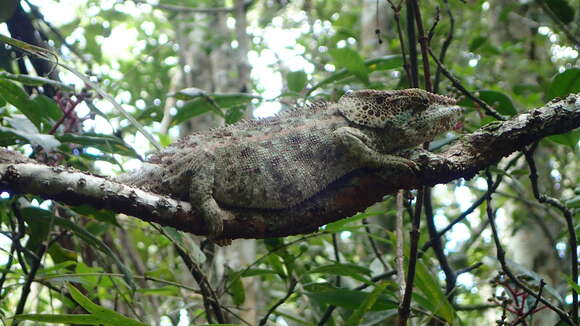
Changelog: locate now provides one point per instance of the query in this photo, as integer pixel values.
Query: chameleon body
(279, 162)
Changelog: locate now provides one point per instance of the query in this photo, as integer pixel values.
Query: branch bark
(462, 159)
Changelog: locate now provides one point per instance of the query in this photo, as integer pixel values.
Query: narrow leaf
(366, 305)
(70, 319)
(107, 316)
(40, 215)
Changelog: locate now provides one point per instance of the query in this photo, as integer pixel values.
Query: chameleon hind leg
(198, 177)
(356, 144)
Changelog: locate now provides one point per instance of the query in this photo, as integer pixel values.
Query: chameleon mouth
(448, 116)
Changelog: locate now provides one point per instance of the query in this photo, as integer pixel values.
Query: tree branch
(353, 193)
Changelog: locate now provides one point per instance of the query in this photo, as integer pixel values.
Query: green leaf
(352, 61)
(366, 305)
(430, 288)
(572, 284)
(49, 107)
(38, 215)
(167, 291)
(16, 96)
(357, 272)
(200, 106)
(476, 43)
(501, 102)
(341, 224)
(565, 83)
(562, 10)
(107, 316)
(297, 80)
(35, 81)
(351, 299)
(256, 272)
(234, 114)
(105, 143)
(569, 139)
(573, 202)
(23, 129)
(238, 291)
(374, 64)
(70, 319)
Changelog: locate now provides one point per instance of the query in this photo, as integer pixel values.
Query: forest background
(183, 66)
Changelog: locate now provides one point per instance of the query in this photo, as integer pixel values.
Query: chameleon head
(414, 114)
(383, 109)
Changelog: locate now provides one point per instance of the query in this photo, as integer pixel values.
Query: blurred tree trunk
(208, 61)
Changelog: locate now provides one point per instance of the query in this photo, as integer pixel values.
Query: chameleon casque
(279, 162)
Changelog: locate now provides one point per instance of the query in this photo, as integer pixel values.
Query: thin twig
(572, 240)
(336, 255)
(373, 244)
(486, 107)
(469, 268)
(400, 254)
(412, 40)
(504, 266)
(397, 16)
(405, 306)
(450, 274)
(424, 45)
(435, 23)
(471, 208)
(445, 46)
(533, 307)
(570, 35)
(290, 291)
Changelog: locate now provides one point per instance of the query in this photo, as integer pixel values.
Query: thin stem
(572, 240)
(486, 107)
(405, 306)
(504, 266)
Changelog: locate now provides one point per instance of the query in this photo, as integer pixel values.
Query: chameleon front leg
(356, 144)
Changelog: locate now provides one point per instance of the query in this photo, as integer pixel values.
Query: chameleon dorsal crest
(379, 108)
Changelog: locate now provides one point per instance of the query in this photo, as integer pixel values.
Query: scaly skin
(279, 162)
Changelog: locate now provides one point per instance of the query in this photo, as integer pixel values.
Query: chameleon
(281, 161)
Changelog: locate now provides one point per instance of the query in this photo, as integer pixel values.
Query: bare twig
(424, 45)
(533, 307)
(400, 256)
(450, 274)
(373, 244)
(572, 240)
(412, 41)
(504, 266)
(570, 35)
(397, 15)
(336, 255)
(486, 107)
(471, 208)
(405, 305)
(210, 299)
(445, 46)
(290, 291)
